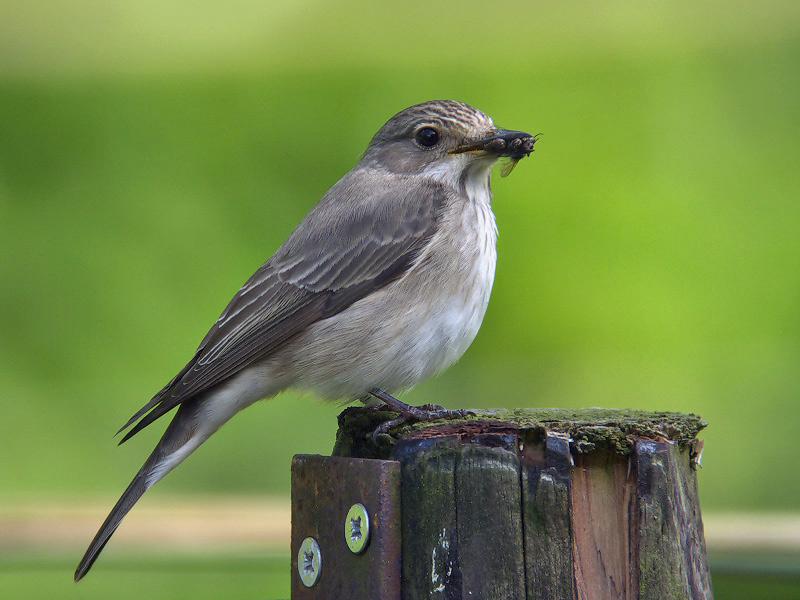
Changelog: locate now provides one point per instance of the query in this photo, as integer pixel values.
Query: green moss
(589, 429)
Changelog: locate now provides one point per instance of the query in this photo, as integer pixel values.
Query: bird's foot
(411, 414)
(436, 411)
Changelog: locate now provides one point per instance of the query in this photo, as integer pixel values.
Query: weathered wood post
(504, 505)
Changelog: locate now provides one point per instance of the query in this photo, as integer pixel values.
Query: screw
(356, 528)
(309, 562)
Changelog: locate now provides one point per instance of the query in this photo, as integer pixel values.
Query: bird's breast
(430, 317)
(416, 326)
(459, 278)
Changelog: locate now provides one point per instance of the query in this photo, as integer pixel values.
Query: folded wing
(365, 233)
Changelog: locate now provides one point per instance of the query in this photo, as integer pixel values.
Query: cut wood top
(588, 429)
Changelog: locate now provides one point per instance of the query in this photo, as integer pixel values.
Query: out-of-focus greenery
(245, 577)
(152, 157)
(199, 577)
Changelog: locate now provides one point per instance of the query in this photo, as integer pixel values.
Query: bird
(383, 284)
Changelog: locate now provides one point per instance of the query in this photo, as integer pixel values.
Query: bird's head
(446, 139)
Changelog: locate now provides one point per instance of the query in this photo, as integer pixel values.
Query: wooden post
(544, 504)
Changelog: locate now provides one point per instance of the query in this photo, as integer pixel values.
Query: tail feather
(129, 497)
(196, 419)
(178, 441)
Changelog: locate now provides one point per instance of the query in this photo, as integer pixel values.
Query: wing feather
(354, 242)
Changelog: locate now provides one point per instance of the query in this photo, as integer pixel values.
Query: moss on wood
(589, 429)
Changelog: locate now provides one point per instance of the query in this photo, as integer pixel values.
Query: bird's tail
(129, 497)
(183, 435)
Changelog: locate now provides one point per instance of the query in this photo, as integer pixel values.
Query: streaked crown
(449, 114)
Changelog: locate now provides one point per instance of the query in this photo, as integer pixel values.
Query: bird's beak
(503, 142)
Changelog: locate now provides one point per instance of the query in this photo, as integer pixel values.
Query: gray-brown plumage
(383, 284)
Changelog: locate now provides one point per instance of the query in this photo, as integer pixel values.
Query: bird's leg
(408, 411)
(428, 412)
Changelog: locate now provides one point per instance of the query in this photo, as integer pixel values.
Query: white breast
(460, 283)
(416, 326)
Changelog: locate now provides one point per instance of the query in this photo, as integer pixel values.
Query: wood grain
(603, 489)
(545, 504)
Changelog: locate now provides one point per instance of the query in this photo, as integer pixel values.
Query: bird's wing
(364, 234)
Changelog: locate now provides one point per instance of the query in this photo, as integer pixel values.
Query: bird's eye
(427, 137)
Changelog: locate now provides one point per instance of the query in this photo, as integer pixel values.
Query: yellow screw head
(356, 528)
(309, 562)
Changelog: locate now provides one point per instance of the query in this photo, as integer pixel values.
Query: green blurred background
(152, 155)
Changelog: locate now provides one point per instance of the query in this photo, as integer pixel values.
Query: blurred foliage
(152, 157)
(203, 577)
(198, 577)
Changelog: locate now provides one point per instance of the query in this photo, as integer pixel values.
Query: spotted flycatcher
(384, 284)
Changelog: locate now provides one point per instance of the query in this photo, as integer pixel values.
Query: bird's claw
(436, 411)
(381, 437)
(424, 413)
